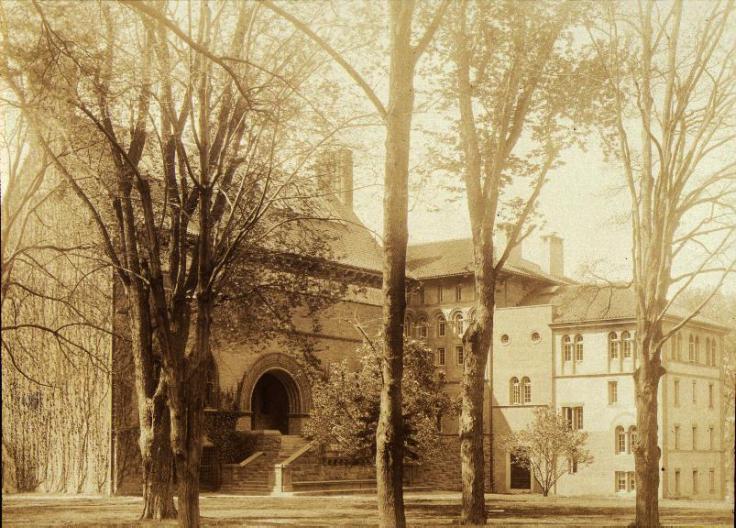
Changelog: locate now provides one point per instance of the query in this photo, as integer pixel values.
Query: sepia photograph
(382, 263)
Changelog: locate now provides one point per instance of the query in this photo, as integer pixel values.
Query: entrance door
(521, 477)
(270, 405)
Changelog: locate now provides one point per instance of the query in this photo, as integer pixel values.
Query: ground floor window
(620, 481)
(677, 482)
(521, 477)
(695, 481)
(712, 479)
(632, 481)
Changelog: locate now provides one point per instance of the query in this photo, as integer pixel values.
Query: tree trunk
(646, 451)
(477, 344)
(158, 495)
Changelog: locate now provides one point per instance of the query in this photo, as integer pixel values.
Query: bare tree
(514, 85)
(670, 69)
(397, 116)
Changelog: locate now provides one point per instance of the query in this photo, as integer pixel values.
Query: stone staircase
(255, 475)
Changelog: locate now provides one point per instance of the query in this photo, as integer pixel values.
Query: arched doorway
(274, 400)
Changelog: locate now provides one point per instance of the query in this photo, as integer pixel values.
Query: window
(695, 481)
(422, 329)
(505, 339)
(459, 328)
(441, 326)
(691, 349)
(620, 440)
(612, 392)
(439, 294)
(407, 326)
(460, 355)
(515, 391)
(713, 353)
(441, 356)
(677, 482)
(626, 344)
(676, 392)
(573, 416)
(695, 392)
(712, 480)
(695, 437)
(697, 349)
(613, 345)
(536, 337)
(711, 438)
(526, 386)
(678, 338)
(620, 481)
(459, 292)
(421, 295)
(566, 348)
(707, 351)
(632, 480)
(632, 438)
(578, 347)
(677, 437)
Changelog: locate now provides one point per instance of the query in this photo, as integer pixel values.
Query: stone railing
(283, 472)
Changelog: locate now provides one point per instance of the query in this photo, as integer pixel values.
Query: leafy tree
(547, 446)
(346, 404)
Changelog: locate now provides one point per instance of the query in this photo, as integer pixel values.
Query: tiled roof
(577, 303)
(455, 257)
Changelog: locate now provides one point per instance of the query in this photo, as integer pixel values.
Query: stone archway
(276, 394)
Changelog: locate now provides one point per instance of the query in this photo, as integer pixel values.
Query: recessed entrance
(521, 477)
(270, 403)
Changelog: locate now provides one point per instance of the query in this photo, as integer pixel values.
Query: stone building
(556, 343)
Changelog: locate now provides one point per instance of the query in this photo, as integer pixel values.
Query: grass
(423, 509)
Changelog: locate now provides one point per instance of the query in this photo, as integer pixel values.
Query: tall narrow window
(712, 480)
(676, 393)
(714, 353)
(566, 348)
(526, 386)
(578, 347)
(422, 329)
(691, 349)
(440, 297)
(441, 326)
(441, 356)
(677, 482)
(695, 391)
(626, 344)
(613, 345)
(695, 482)
(695, 437)
(515, 391)
(697, 349)
(460, 355)
(677, 437)
(620, 440)
(632, 480)
(710, 395)
(632, 438)
(711, 438)
(620, 481)
(612, 392)
(421, 295)
(459, 292)
(459, 327)
(407, 327)
(679, 346)
(707, 351)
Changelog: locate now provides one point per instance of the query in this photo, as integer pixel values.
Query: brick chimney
(334, 170)
(555, 255)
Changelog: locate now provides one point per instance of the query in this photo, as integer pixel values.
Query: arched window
(691, 349)
(626, 344)
(515, 392)
(526, 386)
(422, 328)
(620, 439)
(566, 348)
(578, 347)
(459, 327)
(697, 349)
(441, 326)
(613, 345)
(632, 438)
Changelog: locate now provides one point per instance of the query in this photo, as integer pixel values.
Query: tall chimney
(555, 254)
(515, 254)
(334, 170)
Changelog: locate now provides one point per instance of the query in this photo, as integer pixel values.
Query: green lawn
(423, 509)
